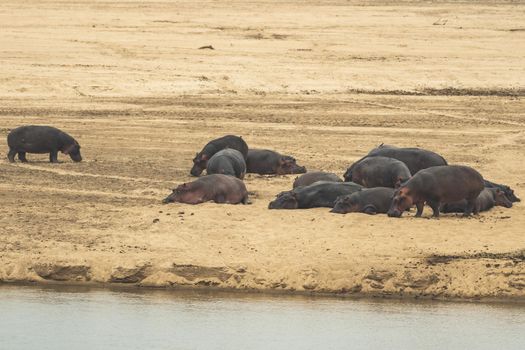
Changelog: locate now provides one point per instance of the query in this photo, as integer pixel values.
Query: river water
(83, 318)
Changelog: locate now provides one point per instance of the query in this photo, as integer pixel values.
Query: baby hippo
(266, 162)
(318, 194)
(368, 200)
(487, 199)
(228, 162)
(314, 176)
(217, 187)
(41, 139)
(378, 172)
(436, 186)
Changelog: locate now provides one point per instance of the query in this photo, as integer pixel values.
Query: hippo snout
(337, 211)
(394, 213)
(166, 200)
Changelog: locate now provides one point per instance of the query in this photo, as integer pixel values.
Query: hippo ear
(398, 183)
(204, 157)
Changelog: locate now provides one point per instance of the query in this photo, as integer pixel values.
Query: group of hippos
(387, 180)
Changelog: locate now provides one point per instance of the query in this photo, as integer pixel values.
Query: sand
(324, 81)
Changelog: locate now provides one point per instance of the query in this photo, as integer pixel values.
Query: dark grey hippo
(228, 162)
(487, 199)
(368, 200)
(41, 139)
(267, 162)
(509, 192)
(314, 176)
(229, 141)
(378, 171)
(318, 194)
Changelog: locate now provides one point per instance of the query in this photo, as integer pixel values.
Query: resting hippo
(216, 187)
(368, 200)
(314, 176)
(41, 139)
(378, 172)
(414, 158)
(487, 199)
(228, 162)
(509, 192)
(436, 186)
(214, 146)
(266, 162)
(318, 194)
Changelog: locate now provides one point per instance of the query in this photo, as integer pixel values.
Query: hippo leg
(22, 157)
(471, 204)
(419, 206)
(370, 209)
(244, 200)
(53, 157)
(435, 208)
(11, 155)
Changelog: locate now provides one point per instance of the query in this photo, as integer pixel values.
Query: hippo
(414, 158)
(41, 139)
(214, 146)
(318, 194)
(314, 176)
(487, 199)
(436, 186)
(368, 200)
(266, 162)
(378, 172)
(509, 192)
(228, 162)
(216, 187)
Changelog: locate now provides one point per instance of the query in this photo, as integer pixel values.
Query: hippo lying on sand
(368, 200)
(318, 194)
(266, 162)
(509, 192)
(229, 141)
(487, 199)
(228, 162)
(436, 186)
(217, 187)
(378, 172)
(41, 139)
(314, 176)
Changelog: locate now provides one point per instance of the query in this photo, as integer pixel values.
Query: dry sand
(324, 81)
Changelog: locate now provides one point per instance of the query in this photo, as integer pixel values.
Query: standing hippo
(378, 172)
(368, 200)
(318, 194)
(509, 192)
(266, 162)
(41, 139)
(436, 186)
(487, 199)
(228, 162)
(229, 141)
(314, 176)
(217, 187)
(414, 158)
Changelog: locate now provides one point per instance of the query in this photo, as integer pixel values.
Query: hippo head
(74, 151)
(509, 193)
(344, 204)
(288, 165)
(199, 164)
(284, 200)
(501, 199)
(179, 194)
(403, 200)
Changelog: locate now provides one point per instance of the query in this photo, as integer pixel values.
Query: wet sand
(324, 83)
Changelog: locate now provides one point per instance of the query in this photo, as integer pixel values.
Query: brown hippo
(414, 158)
(217, 187)
(436, 186)
(314, 176)
(509, 192)
(487, 199)
(228, 162)
(229, 141)
(41, 139)
(378, 172)
(266, 162)
(368, 200)
(318, 194)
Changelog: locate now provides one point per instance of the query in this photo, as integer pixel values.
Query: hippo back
(414, 158)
